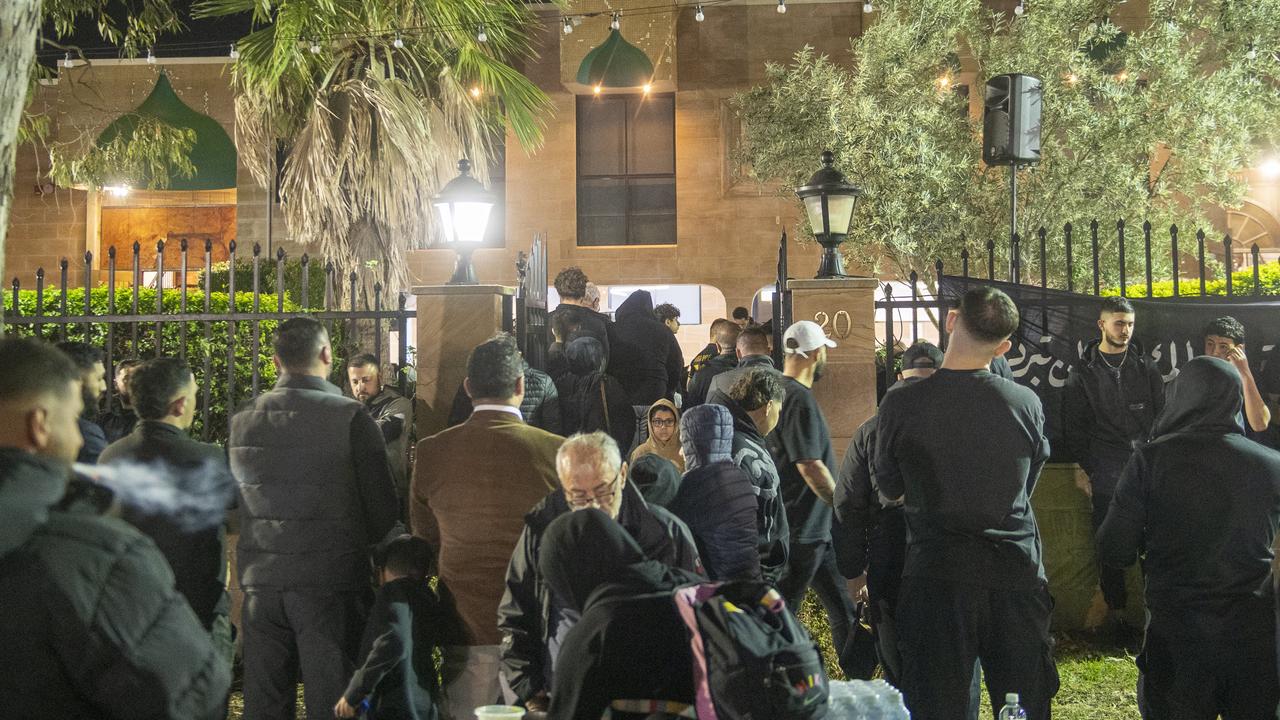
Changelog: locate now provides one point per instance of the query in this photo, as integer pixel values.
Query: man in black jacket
(723, 362)
(755, 402)
(164, 396)
(532, 622)
(392, 412)
(1110, 404)
(93, 382)
(91, 623)
(752, 351)
(315, 494)
(643, 353)
(1202, 503)
(575, 316)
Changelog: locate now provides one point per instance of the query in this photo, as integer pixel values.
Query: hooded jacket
(398, 674)
(700, 383)
(591, 400)
(580, 321)
(1201, 500)
(752, 456)
(644, 354)
(1107, 411)
(532, 623)
(630, 642)
(724, 381)
(670, 449)
(656, 478)
(91, 618)
(716, 499)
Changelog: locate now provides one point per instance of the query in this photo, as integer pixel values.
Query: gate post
(452, 319)
(845, 308)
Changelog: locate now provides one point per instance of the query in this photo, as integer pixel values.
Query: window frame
(626, 177)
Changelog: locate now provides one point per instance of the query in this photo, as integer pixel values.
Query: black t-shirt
(964, 449)
(802, 434)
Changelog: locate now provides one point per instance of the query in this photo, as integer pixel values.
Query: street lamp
(463, 206)
(829, 201)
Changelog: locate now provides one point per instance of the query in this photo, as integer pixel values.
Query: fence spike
(279, 254)
(183, 244)
(208, 244)
(257, 249)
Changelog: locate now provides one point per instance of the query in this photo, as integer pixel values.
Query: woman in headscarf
(630, 643)
(664, 434)
(1203, 502)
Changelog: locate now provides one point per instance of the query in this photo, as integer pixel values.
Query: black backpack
(752, 660)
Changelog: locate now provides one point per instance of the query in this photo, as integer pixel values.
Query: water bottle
(1012, 710)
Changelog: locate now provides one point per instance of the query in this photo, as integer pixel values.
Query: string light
(1072, 78)
(616, 22)
(234, 54)
(647, 87)
(1019, 9)
(1122, 76)
(596, 90)
(398, 43)
(1253, 52)
(868, 7)
(944, 82)
(151, 57)
(481, 36)
(697, 14)
(782, 6)
(66, 62)
(475, 91)
(568, 26)
(315, 47)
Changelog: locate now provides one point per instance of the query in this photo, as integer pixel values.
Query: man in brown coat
(472, 485)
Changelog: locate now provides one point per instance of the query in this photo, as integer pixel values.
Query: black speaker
(1011, 120)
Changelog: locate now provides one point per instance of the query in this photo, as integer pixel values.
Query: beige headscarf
(669, 449)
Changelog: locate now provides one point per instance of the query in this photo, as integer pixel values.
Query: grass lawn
(1097, 684)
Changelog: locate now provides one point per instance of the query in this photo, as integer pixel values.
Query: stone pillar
(452, 319)
(845, 308)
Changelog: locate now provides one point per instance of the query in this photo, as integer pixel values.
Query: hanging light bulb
(647, 87)
(66, 62)
(1253, 52)
(697, 14)
(782, 6)
(568, 26)
(151, 57)
(475, 91)
(481, 36)
(234, 54)
(315, 47)
(1019, 9)
(868, 7)
(398, 43)
(596, 90)
(616, 22)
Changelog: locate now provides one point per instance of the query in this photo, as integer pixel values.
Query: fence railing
(1106, 274)
(223, 327)
(530, 323)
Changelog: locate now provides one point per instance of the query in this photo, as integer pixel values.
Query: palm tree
(375, 101)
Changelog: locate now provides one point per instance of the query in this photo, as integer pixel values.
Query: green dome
(213, 154)
(616, 64)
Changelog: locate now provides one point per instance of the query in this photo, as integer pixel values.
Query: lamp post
(464, 205)
(829, 200)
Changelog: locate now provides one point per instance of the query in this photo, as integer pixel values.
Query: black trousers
(1110, 579)
(944, 626)
(814, 564)
(288, 634)
(1202, 665)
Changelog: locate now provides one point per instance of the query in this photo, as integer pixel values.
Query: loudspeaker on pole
(1011, 120)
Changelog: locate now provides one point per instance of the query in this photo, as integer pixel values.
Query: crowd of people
(530, 552)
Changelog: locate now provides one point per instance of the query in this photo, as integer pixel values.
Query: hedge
(221, 273)
(1241, 284)
(197, 349)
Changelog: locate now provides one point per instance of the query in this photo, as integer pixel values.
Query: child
(398, 678)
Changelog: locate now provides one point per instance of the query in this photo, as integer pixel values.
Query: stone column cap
(844, 283)
(463, 290)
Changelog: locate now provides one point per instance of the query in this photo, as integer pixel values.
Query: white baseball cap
(804, 337)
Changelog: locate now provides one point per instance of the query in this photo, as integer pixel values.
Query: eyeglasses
(601, 498)
(663, 423)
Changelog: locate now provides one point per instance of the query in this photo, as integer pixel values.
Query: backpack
(752, 660)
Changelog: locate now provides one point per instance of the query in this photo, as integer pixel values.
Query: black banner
(1057, 325)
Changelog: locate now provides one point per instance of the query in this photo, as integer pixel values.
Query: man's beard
(1114, 341)
(819, 369)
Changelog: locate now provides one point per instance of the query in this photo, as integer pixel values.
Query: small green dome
(213, 154)
(616, 64)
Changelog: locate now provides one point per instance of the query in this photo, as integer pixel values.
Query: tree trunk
(19, 21)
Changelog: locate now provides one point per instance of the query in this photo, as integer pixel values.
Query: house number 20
(838, 325)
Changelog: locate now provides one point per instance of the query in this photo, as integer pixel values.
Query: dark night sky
(201, 38)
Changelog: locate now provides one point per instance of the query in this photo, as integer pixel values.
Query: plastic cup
(499, 712)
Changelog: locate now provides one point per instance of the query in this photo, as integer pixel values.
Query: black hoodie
(1107, 411)
(1202, 500)
(644, 353)
(591, 400)
(630, 643)
(751, 454)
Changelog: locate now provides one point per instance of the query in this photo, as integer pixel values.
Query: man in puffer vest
(315, 494)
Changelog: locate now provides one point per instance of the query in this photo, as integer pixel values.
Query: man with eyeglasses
(533, 623)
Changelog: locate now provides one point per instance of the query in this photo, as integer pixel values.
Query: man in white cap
(801, 448)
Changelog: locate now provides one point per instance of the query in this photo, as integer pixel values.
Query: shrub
(1241, 284)
(140, 340)
(267, 279)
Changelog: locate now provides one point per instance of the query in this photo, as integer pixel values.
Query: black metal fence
(1104, 275)
(781, 306)
(218, 330)
(530, 310)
